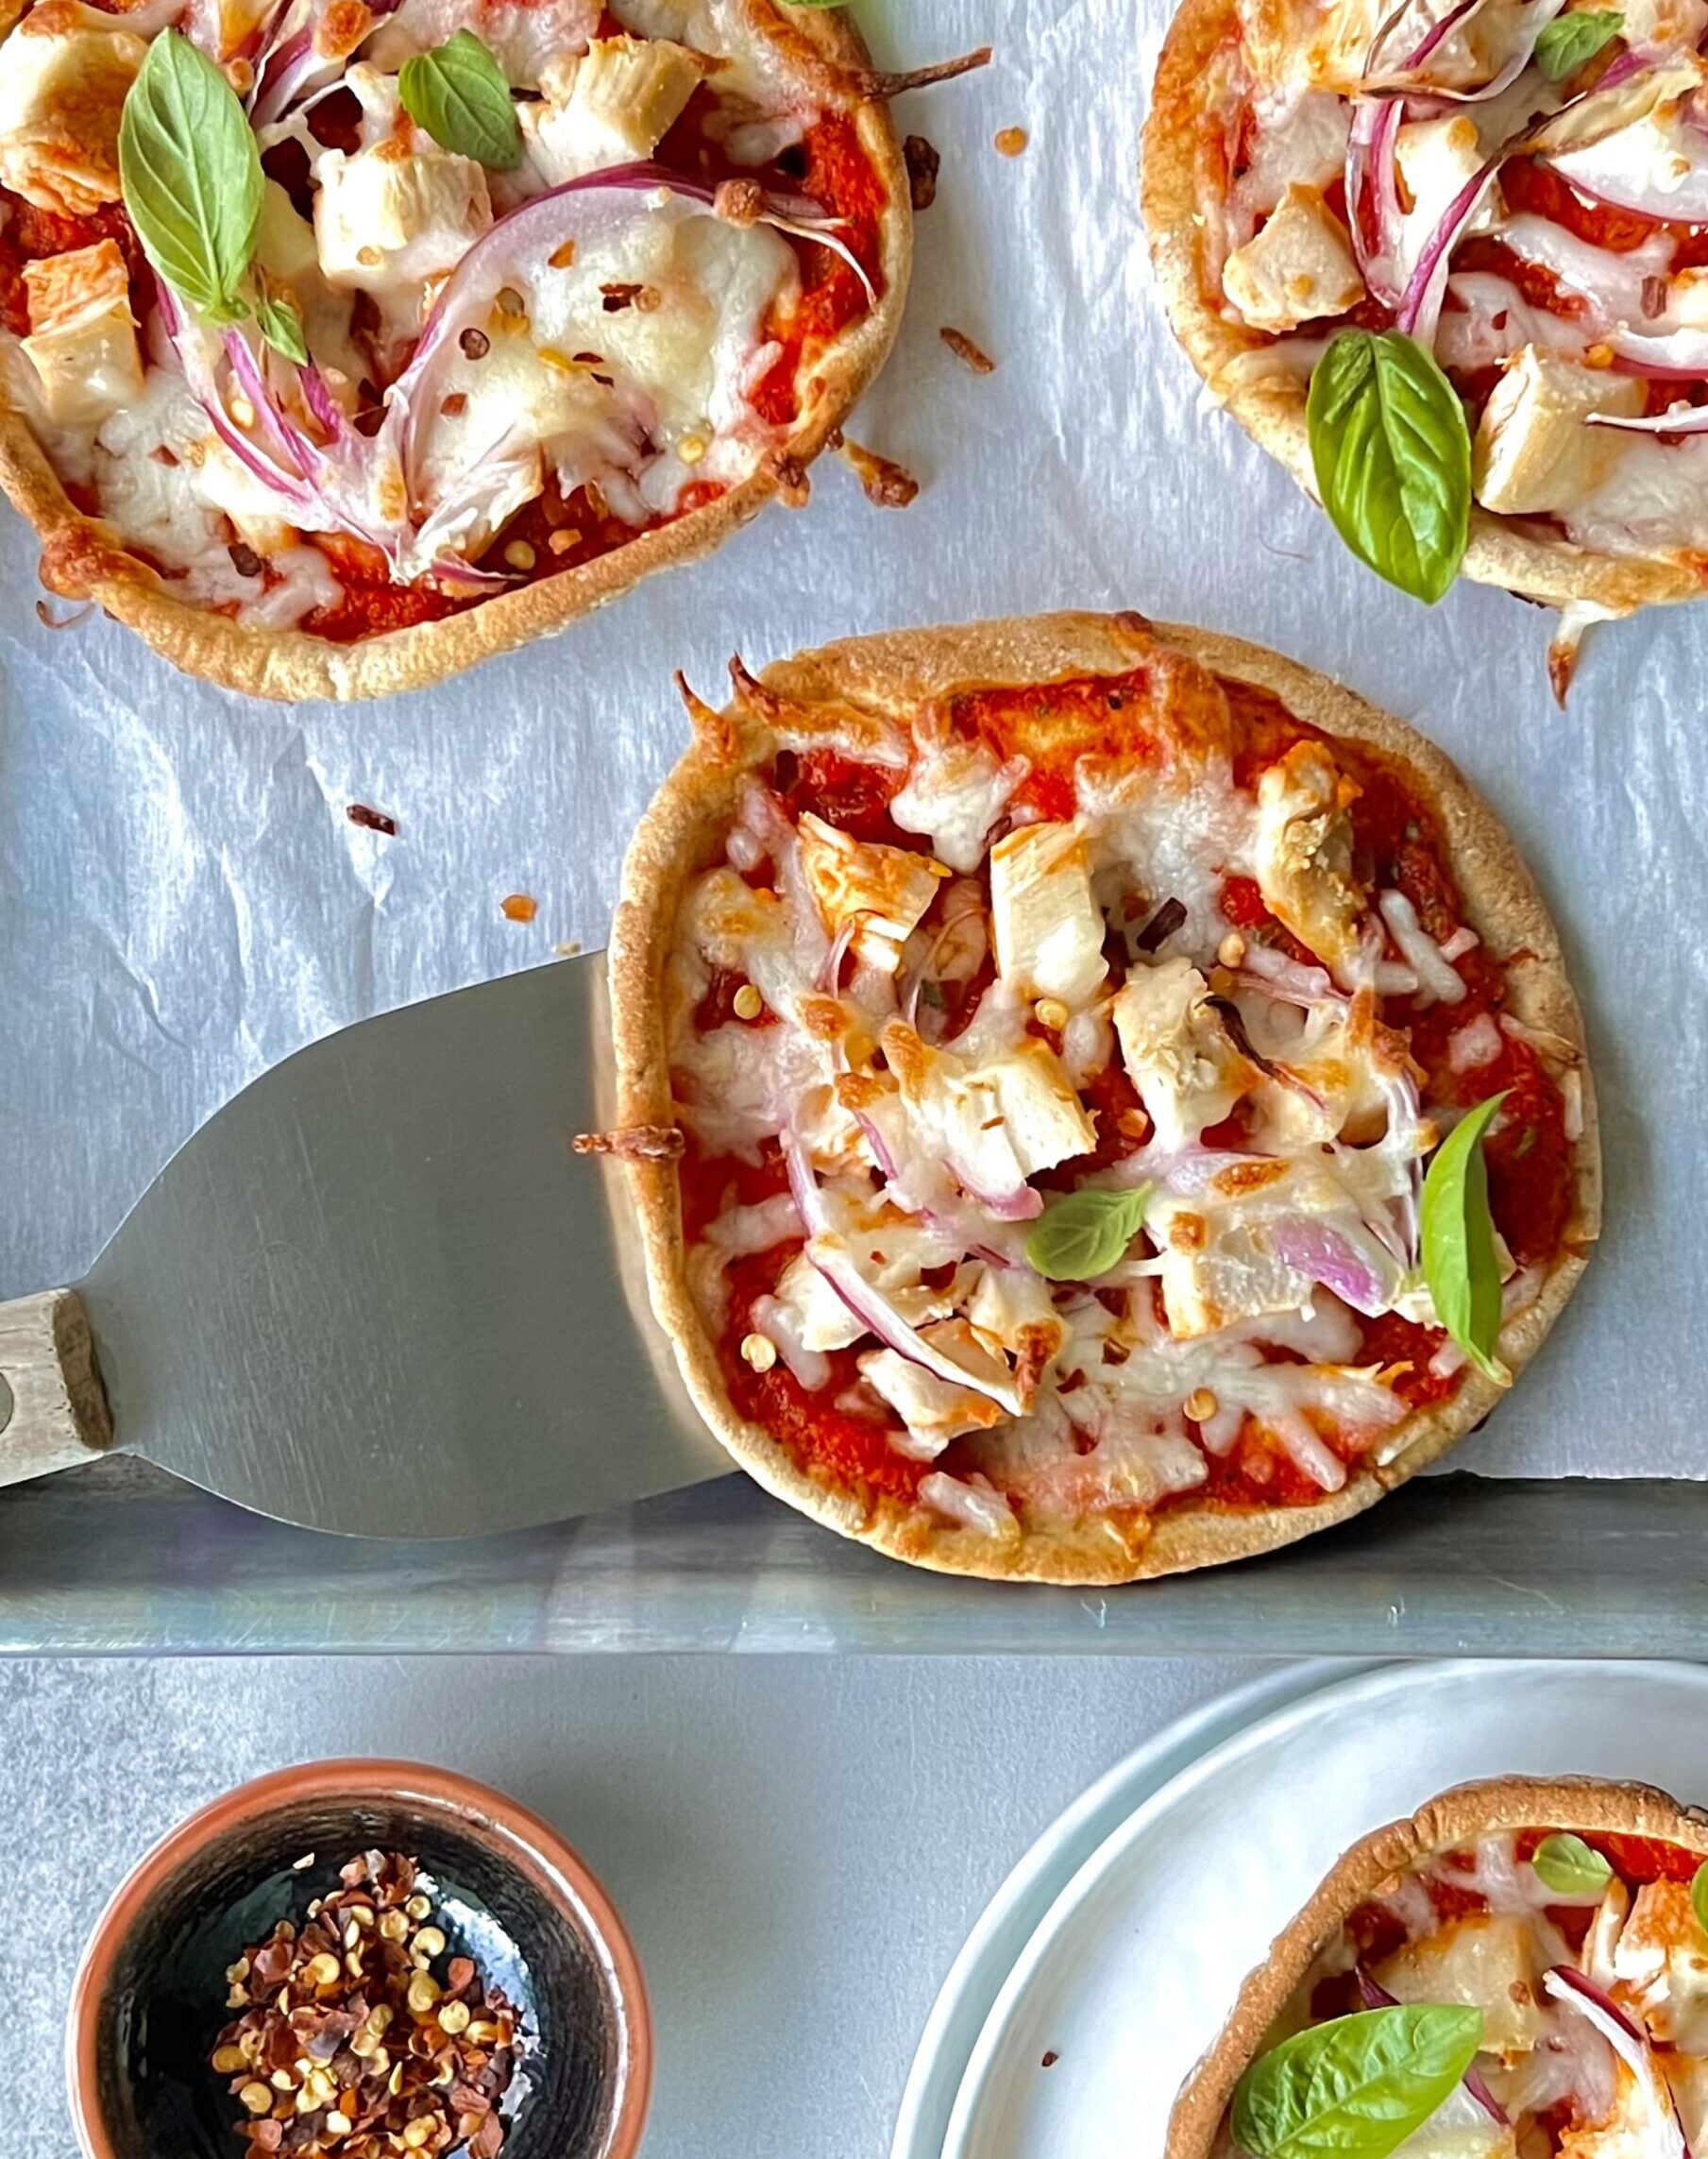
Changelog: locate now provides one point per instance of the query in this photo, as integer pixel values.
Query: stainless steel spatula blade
(377, 1293)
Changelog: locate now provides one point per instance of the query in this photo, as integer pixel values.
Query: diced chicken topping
(1047, 929)
(1299, 267)
(64, 75)
(611, 105)
(997, 1122)
(389, 218)
(934, 1410)
(1488, 1962)
(82, 336)
(1304, 850)
(1662, 1961)
(884, 890)
(1178, 1051)
(1534, 452)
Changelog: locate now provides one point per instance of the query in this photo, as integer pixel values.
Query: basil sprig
(1571, 41)
(191, 176)
(1459, 1242)
(459, 94)
(1570, 1867)
(1083, 1235)
(1392, 454)
(1356, 2087)
(1699, 1895)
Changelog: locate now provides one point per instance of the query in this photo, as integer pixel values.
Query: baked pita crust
(1518, 554)
(870, 679)
(83, 559)
(1467, 1812)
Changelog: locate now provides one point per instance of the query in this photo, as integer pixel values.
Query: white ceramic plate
(1128, 1977)
(969, 1990)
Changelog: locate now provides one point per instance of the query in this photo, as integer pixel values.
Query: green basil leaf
(1570, 1867)
(459, 94)
(1570, 42)
(1391, 455)
(282, 326)
(1699, 1895)
(1356, 2087)
(1459, 1242)
(1084, 1235)
(191, 176)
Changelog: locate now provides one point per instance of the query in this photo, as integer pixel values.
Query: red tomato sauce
(1397, 842)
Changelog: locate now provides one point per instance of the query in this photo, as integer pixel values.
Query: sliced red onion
(336, 486)
(830, 976)
(1681, 419)
(1420, 304)
(576, 210)
(868, 1303)
(1571, 1988)
(1375, 1995)
(1322, 1255)
(1408, 82)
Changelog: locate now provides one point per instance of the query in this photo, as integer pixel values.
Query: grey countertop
(798, 1844)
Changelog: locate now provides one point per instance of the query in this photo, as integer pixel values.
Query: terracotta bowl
(149, 1996)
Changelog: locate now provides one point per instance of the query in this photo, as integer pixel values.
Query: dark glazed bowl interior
(542, 1936)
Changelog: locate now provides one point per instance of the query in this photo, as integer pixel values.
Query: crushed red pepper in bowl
(359, 2037)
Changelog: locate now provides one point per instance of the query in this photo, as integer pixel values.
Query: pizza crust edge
(686, 819)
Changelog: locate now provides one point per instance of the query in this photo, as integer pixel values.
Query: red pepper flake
(475, 343)
(1050, 2060)
(245, 560)
(372, 819)
(891, 485)
(923, 162)
(519, 907)
(1011, 141)
(357, 2039)
(619, 297)
(967, 352)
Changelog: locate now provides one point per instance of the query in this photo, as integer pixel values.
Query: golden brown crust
(1467, 1812)
(1520, 557)
(866, 681)
(83, 559)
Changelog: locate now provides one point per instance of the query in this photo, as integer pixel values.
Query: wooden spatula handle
(53, 1410)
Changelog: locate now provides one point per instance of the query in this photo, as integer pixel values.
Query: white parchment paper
(183, 900)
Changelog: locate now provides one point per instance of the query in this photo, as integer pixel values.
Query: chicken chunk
(935, 1410)
(390, 217)
(82, 341)
(64, 75)
(611, 105)
(1303, 851)
(885, 888)
(1178, 1050)
(995, 1123)
(1662, 1960)
(1533, 452)
(1487, 1961)
(1046, 925)
(1297, 270)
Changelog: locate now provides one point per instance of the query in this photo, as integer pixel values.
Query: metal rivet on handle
(7, 1403)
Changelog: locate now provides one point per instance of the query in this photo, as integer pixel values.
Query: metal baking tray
(116, 1559)
(184, 901)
